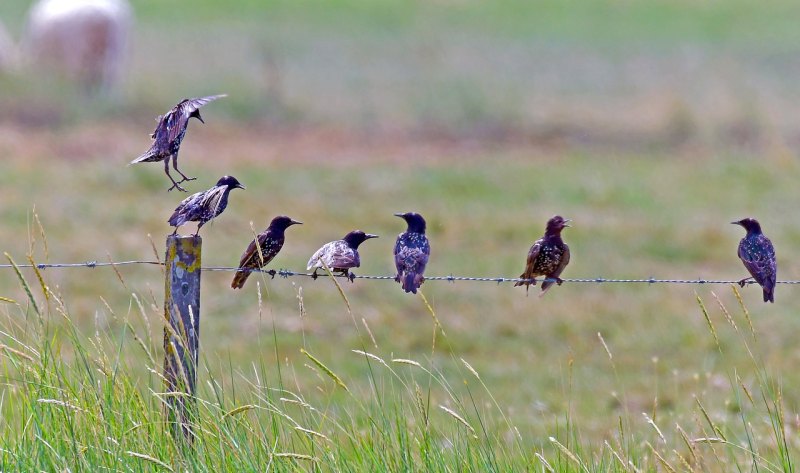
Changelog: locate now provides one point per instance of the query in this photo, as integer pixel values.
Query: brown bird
(269, 242)
(548, 256)
(411, 252)
(758, 255)
(340, 255)
(169, 134)
(204, 206)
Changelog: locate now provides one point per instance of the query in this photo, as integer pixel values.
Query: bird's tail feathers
(239, 279)
(411, 281)
(150, 155)
(769, 294)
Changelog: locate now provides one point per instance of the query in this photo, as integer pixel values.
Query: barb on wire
(285, 273)
(86, 264)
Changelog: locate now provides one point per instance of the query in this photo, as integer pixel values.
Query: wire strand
(285, 273)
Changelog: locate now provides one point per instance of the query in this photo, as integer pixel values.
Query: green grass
(651, 124)
(72, 401)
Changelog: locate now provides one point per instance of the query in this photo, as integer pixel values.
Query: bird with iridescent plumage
(340, 255)
(169, 134)
(263, 249)
(547, 257)
(411, 252)
(758, 255)
(204, 206)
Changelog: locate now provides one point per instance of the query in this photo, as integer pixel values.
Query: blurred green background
(652, 124)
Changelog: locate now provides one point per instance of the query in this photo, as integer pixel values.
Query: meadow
(651, 125)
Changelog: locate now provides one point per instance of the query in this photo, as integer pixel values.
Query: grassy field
(486, 118)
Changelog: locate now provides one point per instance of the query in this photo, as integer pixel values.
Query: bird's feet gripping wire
(742, 282)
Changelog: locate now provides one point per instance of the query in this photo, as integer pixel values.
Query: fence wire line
(285, 273)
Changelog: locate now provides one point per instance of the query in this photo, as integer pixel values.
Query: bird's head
(357, 237)
(556, 224)
(749, 224)
(416, 223)
(196, 114)
(282, 222)
(230, 181)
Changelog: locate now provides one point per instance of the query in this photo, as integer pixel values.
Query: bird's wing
(533, 254)
(340, 255)
(194, 104)
(269, 245)
(187, 209)
(563, 263)
(250, 258)
(213, 198)
(314, 261)
(760, 262)
(178, 118)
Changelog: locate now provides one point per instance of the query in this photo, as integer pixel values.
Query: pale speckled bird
(340, 255)
(263, 249)
(204, 206)
(169, 134)
(547, 257)
(411, 252)
(758, 255)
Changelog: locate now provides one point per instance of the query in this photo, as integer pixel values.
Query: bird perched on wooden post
(758, 256)
(547, 257)
(263, 249)
(411, 252)
(169, 134)
(340, 255)
(204, 206)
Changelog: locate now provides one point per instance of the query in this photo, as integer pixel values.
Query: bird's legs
(175, 185)
(742, 282)
(175, 166)
(197, 233)
(314, 275)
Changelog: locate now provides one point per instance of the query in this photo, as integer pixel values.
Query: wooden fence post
(182, 329)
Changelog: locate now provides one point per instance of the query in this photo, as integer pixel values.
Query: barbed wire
(285, 273)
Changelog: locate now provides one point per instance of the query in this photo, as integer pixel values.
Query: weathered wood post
(182, 329)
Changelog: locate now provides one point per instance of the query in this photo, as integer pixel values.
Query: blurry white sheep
(82, 40)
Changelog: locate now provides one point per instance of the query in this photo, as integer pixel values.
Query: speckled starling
(169, 133)
(340, 255)
(204, 206)
(547, 257)
(411, 252)
(758, 256)
(270, 242)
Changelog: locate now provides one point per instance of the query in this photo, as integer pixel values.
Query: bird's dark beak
(295, 222)
(736, 223)
(240, 186)
(370, 235)
(566, 222)
(400, 214)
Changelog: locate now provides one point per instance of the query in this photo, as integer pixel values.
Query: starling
(270, 242)
(758, 256)
(340, 255)
(411, 252)
(169, 133)
(203, 206)
(547, 257)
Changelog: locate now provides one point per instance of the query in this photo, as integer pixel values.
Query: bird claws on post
(272, 273)
(314, 275)
(351, 276)
(559, 281)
